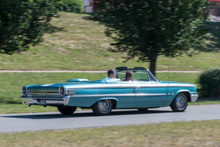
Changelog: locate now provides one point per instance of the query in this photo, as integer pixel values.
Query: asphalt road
(84, 119)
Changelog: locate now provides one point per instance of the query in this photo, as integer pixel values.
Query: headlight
(66, 91)
(24, 90)
(62, 91)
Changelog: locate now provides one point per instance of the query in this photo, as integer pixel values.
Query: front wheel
(102, 107)
(180, 103)
(66, 110)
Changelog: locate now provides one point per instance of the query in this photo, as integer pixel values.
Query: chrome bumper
(194, 97)
(49, 102)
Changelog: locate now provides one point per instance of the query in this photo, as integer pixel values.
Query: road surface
(86, 119)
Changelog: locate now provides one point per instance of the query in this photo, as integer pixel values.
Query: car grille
(43, 93)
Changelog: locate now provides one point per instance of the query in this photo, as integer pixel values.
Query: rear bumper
(194, 97)
(48, 101)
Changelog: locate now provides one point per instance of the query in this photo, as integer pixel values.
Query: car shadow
(79, 114)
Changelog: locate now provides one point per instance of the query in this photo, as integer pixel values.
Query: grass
(19, 108)
(11, 84)
(75, 43)
(184, 134)
(205, 102)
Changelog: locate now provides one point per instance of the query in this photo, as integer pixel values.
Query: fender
(173, 97)
(182, 90)
(110, 98)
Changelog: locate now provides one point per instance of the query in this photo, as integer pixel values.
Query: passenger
(111, 74)
(128, 76)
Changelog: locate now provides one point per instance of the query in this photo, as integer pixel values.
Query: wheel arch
(113, 99)
(184, 91)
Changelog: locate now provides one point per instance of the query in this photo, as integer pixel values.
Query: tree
(148, 28)
(22, 23)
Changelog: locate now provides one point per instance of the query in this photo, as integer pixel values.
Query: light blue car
(144, 92)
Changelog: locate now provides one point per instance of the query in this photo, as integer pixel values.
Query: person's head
(128, 76)
(111, 73)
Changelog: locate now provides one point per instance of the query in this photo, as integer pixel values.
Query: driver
(111, 74)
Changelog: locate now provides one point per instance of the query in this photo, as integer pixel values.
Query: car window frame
(151, 77)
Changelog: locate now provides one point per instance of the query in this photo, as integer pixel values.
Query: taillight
(24, 90)
(62, 91)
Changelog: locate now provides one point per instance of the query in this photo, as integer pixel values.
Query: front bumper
(194, 97)
(48, 101)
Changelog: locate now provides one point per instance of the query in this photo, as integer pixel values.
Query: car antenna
(168, 75)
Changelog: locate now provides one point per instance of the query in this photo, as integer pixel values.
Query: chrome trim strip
(194, 97)
(36, 102)
(128, 86)
(70, 89)
(132, 94)
(33, 101)
(43, 96)
(151, 94)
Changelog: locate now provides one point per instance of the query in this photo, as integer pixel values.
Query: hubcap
(104, 105)
(181, 102)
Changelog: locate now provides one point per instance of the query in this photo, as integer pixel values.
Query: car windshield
(138, 75)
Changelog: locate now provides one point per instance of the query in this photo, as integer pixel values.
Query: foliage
(70, 5)
(149, 28)
(22, 23)
(75, 40)
(209, 82)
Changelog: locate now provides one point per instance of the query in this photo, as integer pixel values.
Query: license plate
(42, 102)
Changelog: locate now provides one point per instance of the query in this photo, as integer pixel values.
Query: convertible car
(145, 91)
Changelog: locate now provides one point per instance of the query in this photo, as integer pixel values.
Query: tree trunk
(153, 65)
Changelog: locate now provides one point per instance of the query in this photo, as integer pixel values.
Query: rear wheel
(180, 103)
(102, 107)
(143, 110)
(66, 110)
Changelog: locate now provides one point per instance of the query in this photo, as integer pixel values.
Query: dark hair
(128, 75)
(110, 71)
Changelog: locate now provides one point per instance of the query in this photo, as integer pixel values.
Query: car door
(151, 94)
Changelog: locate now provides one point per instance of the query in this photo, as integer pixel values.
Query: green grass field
(76, 43)
(184, 134)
